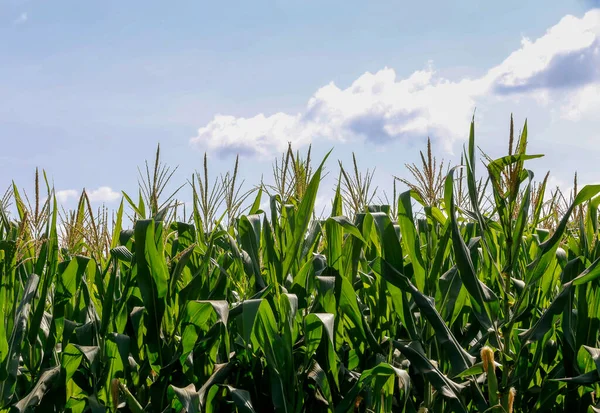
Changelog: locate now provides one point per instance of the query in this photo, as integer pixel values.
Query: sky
(88, 89)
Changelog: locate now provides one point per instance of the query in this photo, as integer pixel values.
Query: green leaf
(241, 399)
(448, 388)
(187, 396)
(302, 218)
(249, 233)
(9, 369)
(151, 280)
(410, 238)
(313, 338)
(219, 375)
(44, 383)
(459, 358)
(544, 323)
(273, 347)
(479, 293)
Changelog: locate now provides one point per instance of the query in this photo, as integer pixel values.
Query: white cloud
(381, 108)
(565, 57)
(103, 194)
(251, 136)
(376, 107)
(66, 194)
(584, 102)
(562, 67)
(21, 19)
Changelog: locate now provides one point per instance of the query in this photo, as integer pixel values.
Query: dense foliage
(484, 300)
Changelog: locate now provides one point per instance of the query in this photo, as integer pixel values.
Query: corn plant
(470, 306)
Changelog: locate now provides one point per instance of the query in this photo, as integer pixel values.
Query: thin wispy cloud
(23, 17)
(561, 68)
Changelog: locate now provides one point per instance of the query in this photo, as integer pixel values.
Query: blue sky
(89, 88)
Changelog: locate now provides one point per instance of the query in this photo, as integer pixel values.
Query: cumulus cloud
(258, 135)
(66, 194)
(567, 56)
(103, 194)
(562, 66)
(381, 108)
(377, 107)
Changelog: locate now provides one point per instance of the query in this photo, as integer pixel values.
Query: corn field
(469, 292)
